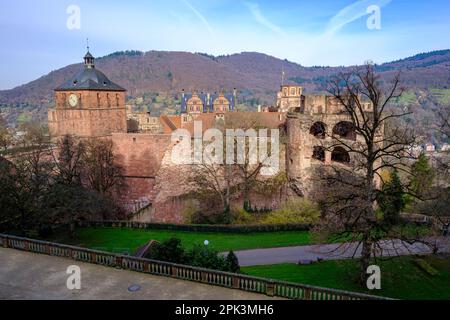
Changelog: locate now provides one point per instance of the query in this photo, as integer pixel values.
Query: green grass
(401, 277)
(128, 240)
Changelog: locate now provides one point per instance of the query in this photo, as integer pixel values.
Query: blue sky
(35, 38)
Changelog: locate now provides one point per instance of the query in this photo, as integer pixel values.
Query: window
(319, 153)
(341, 155)
(345, 130)
(318, 130)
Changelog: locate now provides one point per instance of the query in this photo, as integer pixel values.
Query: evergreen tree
(232, 262)
(422, 177)
(391, 199)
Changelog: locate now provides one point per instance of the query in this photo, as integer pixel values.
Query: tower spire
(88, 58)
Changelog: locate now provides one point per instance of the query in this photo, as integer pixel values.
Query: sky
(39, 36)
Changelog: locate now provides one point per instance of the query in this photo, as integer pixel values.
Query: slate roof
(89, 79)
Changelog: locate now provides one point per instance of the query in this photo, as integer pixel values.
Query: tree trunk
(72, 229)
(366, 253)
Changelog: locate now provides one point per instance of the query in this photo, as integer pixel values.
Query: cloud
(352, 13)
(256, 13)
(201, 17)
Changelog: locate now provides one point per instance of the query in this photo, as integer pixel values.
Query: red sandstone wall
(98, 113)
(141, 156)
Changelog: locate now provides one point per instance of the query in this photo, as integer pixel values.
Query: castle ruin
(90, 105)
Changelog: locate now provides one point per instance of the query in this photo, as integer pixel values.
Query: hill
(255, 74)
(154, 79)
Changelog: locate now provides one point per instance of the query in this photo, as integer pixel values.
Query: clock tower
(88, 105)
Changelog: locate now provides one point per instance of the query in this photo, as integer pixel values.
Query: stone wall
(141, 156)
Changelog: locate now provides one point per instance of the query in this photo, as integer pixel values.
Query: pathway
(330, 252)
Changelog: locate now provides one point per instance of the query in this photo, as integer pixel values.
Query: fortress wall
(141, 156)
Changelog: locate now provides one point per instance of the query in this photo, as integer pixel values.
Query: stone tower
(88, 105)
(311, 131)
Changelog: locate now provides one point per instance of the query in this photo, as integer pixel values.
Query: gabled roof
(208, 100)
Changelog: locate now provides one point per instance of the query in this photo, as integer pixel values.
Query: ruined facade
(312, 127)
(289, 97)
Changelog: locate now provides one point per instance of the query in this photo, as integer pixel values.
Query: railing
(212, 277)
(195, 227)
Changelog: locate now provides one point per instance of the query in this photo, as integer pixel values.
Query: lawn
(401, 277)
(128, 240)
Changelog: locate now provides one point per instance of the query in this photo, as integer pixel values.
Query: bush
(241, 216)
(169, 250)
(232, 262)
(297, 210)
(204, 257)
(201, 256)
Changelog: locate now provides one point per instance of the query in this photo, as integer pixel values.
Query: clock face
(73, 100)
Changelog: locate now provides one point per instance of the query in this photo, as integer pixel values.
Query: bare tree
(25, 180)
(214, 181)
(69, 160)
(247, 172)
(102, 171)
(241, 177)
(379, 144)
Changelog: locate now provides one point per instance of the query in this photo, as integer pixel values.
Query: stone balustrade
(184, 272)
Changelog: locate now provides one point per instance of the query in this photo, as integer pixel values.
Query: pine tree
(391, 199)
(422, 176)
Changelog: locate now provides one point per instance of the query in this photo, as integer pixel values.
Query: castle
(90, 105)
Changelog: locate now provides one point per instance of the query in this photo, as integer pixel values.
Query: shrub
(241, 216)
(201, 256)
(204, 257)
(169, 250)
(297, 210)
(232, 262)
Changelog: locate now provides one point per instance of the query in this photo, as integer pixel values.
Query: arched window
(345, 130)
(341, 155)
(319, 153)
(318, 130)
